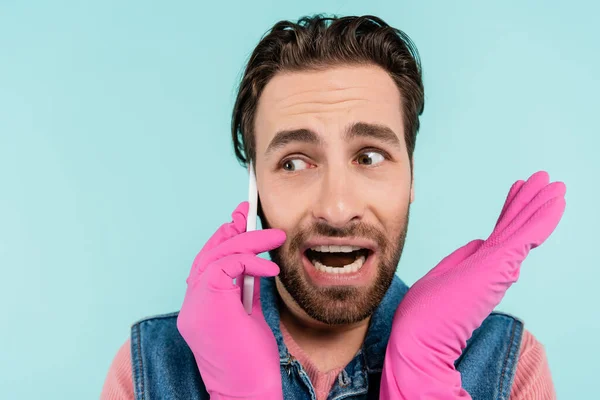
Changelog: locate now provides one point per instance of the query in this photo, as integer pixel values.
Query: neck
(327, 346)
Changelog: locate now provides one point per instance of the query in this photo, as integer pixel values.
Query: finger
(220, 274)
(534, 232)
(225, 232)
(545, 220)
(525, 224)
(229, 229)
(509, 198)
(254, 242)
(528, 191)
(457, 257)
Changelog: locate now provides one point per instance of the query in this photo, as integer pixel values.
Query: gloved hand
(441, 310)
(236, 353)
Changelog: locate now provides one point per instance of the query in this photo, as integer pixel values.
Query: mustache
(321, 228)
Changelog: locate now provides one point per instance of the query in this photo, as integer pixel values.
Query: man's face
(333, 170)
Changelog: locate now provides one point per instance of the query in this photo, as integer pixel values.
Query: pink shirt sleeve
(119, 380)
(532, 378)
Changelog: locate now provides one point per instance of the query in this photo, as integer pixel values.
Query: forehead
(325, 99)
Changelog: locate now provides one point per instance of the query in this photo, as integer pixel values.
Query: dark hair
(318, 42)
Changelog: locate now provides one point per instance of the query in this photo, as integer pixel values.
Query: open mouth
(337, 259)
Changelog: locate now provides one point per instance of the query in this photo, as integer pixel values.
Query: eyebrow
(283, 138)
(378, 132)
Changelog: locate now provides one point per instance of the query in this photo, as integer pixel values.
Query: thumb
(457, 257)
(256, 304)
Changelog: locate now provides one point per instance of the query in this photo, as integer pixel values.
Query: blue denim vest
(164, 366)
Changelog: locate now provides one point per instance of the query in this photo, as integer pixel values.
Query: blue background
(116, 163)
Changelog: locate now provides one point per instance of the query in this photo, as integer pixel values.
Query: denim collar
(378, 332)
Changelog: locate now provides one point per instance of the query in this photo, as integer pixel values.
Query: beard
(339, 305)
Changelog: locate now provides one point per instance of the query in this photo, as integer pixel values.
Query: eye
(370, 158)
(294, 164)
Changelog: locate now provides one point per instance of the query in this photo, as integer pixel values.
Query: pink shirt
(532, 378)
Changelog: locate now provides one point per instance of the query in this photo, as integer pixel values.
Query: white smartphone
(248, 289)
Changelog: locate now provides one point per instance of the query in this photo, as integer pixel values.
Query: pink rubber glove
(441, 310)
(236, 353)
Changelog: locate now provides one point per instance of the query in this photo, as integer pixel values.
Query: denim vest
(164, 366)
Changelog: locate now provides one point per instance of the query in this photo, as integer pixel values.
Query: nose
(339, 201)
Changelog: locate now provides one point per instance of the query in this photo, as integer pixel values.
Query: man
(328, 112)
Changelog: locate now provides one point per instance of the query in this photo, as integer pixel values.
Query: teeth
(335, 249)
(347, 269)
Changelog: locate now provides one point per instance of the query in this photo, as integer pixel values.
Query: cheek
(389, 188)
(282, 206)
(390, 208)
(389, 200)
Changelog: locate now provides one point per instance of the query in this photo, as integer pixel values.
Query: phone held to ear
(248, 289)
